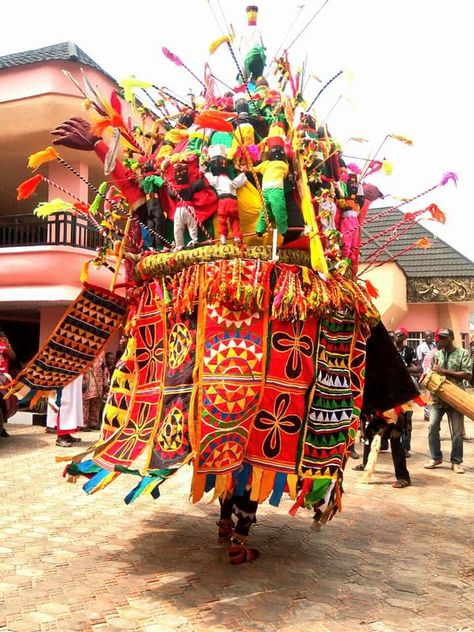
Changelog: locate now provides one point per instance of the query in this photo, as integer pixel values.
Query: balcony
(61, 229)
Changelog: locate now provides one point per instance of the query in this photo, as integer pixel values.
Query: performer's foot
(239, 552)
(4, 433)
(457, 467)
(224, 533)
(223, 240)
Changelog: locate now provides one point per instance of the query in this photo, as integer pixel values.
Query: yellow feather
(36, 160)
(213, 46)
(387, 168)
(55, 206)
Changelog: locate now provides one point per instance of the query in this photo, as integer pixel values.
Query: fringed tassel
(278, 489)
(99, 481)
(148, 485)
(317, 492)
(243, 479)
(198, 486)
(372, 460)
(266, 485)
(306, 486)
(223, 484)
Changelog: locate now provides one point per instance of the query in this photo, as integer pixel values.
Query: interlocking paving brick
(394, 560)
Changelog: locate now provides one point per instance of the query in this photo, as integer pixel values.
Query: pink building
(40, 262)
(420, 290)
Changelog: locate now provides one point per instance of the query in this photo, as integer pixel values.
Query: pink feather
(449, 175)
(171, 56)
(354, 168)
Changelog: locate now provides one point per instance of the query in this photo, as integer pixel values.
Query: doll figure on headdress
(151, 214)
(243, 146)
(251, 47)
(349, 205)
(191, 199)
(327, 151)
(175, 135)
(226, 187)
(184, 214)
(274, 171)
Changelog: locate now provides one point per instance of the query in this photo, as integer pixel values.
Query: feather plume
(28, 187)
(402, 139)
(387, 168)
(354, 168)
(36, 160)
(115, 102)
(449, 175)
(436, 213)
(94, 207)
(371, 289)
(214, 119)
(171, 56)
(92, 95)
(372, 460)
(423, 243)
(116, 121)
(213, 46)
(81, 207)
(374, 166)
(55, 206)
(130, 83)
(111, 156)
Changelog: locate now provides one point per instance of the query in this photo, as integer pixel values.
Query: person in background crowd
(94, 387)
(471, 348)
(110, 362)
(455, 364)
(408, 355)
(372, 424)
(65, 417)
(6, 356)
(423, 350)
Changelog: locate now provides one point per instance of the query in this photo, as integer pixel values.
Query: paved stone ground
(393, 560)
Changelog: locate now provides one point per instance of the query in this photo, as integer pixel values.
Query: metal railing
(61, 229)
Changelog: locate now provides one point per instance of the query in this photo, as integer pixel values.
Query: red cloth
(228, 213)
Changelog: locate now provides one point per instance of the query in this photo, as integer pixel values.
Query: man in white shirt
(424, 351)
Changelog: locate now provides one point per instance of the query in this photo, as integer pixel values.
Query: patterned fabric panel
(276, 430)
(172, 444)
(230, 385)
(326, 433)
(78, 338)
(136, 433)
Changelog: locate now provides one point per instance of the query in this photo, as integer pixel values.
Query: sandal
(401, 484)
(240, 553)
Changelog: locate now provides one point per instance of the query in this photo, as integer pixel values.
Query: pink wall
(31, 80)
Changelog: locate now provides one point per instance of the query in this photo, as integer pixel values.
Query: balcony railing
(61, 229)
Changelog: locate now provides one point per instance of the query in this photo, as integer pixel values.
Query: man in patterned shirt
(455, 364)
